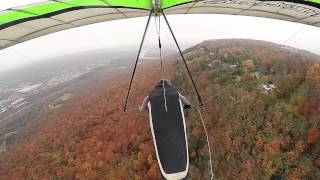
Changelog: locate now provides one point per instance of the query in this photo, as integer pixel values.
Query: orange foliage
(273, 147)
(251, 136)
(313, 135)
(275, 144)
(246, 170)
(89, 138)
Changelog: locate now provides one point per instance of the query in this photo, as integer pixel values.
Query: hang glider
(20, 24)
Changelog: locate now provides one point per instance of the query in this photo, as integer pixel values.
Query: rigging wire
(125, 108)
(208, 142)
(26, 58)
(204, 126)
(184, 60)
(218, 93)
(294, 34)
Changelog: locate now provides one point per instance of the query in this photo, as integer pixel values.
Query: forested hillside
(255, 132)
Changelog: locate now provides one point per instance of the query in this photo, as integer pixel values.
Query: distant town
(17, 97)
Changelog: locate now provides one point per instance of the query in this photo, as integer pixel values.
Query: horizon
(90, 52)
(114, 34)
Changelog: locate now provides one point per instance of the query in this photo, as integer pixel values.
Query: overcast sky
(189, 29)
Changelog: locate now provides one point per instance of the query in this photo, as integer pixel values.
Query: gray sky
(189, 29)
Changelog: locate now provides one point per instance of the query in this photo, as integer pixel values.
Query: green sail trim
(315, 1)
(54, 6)
(137, 4)
(46, 8)
(12, 16)
(170, 3)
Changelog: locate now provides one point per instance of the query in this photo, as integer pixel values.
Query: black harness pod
(168, 128)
